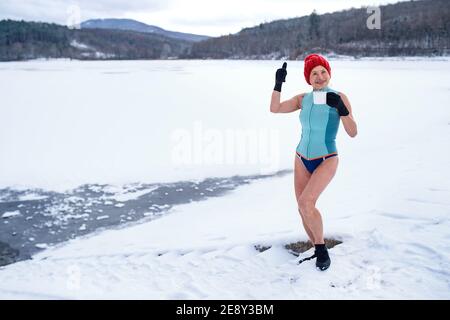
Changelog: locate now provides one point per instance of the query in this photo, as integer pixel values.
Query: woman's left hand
(335, 101)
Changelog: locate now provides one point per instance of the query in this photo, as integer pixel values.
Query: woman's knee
(306, 205)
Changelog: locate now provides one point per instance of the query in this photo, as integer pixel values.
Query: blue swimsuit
(320, 124)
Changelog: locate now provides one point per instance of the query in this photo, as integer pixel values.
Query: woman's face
(319, 77)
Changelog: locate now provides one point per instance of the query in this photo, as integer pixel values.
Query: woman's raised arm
(290, 105)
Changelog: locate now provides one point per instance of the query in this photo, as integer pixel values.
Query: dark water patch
(299, 247)
(296, 248)
(32, 220)
(8, 255)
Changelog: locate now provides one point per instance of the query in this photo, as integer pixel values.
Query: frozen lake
(87, 145)
(66, 123)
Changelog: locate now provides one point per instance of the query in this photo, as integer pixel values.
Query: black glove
(335, 101)
(280, 77)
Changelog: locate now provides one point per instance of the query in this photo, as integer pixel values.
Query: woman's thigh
(301, 177)
(320, 179)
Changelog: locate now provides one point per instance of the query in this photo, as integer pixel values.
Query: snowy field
(67, 123)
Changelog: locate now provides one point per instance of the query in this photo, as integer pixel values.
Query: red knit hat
(312, 61)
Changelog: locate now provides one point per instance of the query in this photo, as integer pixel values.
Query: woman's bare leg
(301, 178)
(318, 181)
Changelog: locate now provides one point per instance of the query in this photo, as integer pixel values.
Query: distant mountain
(407, 28)
(133, 25)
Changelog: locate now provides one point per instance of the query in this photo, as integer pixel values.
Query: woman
(316, 158)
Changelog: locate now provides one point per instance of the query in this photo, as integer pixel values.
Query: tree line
(407, 28)
(20, 40)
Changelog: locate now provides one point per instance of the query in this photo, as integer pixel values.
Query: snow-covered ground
(206, 250)
(116, 122)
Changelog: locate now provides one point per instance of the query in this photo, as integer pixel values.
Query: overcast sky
(207, 17)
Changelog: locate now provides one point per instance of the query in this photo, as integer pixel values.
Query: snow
(388, 203)
(124, 195)
(159, 128)
(11, 214)
(31, 196)
(41, 245)
(91, 51)
(205, 250)
(155, 129)
(79, 45)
